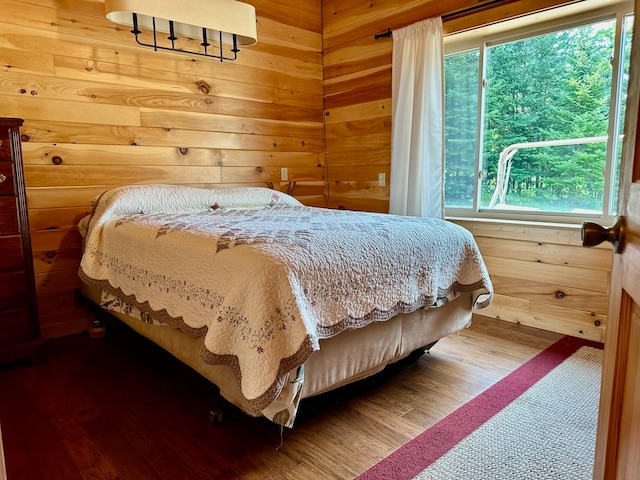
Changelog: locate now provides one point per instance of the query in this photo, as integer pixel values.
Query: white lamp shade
(190, 17)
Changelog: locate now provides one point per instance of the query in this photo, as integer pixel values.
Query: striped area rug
(539, 422)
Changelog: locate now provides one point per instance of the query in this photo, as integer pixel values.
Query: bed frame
(346, 358)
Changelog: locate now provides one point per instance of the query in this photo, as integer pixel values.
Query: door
(618, 438)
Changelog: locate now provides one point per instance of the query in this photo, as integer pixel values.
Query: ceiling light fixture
(221, 26)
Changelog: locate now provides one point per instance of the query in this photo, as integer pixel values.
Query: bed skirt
(345, 358)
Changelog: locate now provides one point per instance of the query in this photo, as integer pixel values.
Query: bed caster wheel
(216, 416)
(427, 349)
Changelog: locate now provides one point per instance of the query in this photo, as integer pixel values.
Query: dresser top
(11, 122)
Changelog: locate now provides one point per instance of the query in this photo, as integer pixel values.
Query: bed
(271, 300)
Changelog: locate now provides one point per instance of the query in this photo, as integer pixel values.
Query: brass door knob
(593, 234)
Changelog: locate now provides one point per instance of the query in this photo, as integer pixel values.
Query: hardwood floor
(121, 408)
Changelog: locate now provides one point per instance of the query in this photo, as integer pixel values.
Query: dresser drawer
(13, 291)
(6, 179)
(8, 216)
(5, 147)
(11, 257)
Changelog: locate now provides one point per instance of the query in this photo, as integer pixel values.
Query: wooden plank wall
(101, 111)
(543, 278)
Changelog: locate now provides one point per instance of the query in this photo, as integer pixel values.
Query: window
(528, 120)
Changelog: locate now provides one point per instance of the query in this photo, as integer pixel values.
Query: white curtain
(417, 141)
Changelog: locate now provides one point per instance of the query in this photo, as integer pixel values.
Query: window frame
(526, 27)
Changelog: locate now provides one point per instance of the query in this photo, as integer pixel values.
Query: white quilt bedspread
(264, 277)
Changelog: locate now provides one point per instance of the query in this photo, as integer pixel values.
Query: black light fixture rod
(136, 30)
(155, 34)
(172, 37)
(235, 48)
(221, 46)
(205, 43)
(172, 34)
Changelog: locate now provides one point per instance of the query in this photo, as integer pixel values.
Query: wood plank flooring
(121, 408)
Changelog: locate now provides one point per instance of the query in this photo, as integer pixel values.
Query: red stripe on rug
(412, 458)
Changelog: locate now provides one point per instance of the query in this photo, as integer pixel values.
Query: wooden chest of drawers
(19, 324)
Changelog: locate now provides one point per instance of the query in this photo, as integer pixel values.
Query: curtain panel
(417, 141)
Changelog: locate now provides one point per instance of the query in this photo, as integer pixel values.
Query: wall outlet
(284, 173)
(382, 179)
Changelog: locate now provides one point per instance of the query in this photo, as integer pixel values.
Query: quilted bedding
(263, 277)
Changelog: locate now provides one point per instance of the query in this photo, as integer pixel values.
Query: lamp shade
(189, 17)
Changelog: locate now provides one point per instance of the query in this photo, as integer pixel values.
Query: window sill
(524, 223)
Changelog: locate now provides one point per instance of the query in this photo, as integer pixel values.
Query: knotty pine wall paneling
(542, 276)
(101, 111)
(313, 95)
